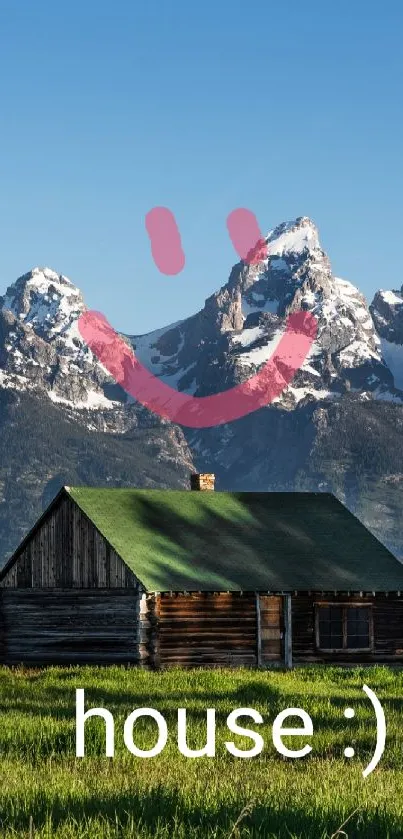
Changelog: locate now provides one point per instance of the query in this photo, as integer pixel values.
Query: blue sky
(288, 108)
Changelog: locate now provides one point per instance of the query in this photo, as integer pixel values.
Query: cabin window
(343, 627)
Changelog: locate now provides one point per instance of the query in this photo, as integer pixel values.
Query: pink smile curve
(205, 411)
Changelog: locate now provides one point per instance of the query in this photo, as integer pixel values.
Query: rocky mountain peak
(293, 237)
(294, 259)
(46, 300)
(387, 313)
(240, 326)
(41, 349)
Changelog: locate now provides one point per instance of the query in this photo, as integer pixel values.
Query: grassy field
(46, 791)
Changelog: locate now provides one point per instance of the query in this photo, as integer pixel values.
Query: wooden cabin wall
(387, 613)
(66, 552)
(62, 626)
(148, 631)
(271, 629)
(206, 629)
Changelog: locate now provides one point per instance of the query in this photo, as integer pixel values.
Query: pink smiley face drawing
(179, 407)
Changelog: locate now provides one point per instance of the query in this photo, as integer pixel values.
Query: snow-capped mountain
(237, 330)
(240, 326)
(338, 426)
(41, 349)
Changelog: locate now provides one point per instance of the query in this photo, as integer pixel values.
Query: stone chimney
(202, 481)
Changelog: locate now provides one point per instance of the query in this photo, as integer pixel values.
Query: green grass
(47, 792)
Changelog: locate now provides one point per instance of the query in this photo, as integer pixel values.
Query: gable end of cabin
(67, 597)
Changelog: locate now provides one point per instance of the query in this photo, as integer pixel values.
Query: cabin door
(270, 623)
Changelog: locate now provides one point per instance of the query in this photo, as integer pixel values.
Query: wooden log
(288, 631)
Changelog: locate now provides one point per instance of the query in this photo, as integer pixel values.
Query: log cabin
(197, 578)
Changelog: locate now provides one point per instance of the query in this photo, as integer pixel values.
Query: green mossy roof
(176, 540)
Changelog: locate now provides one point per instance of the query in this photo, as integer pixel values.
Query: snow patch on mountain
(257, 303)
(256, 356)
(149, 349)
(145, 346)
(12, 381)
(389, 396)
(393, 355)
(93, 401)
(392, 298)
(387, 313)
(293, 237)
(357, 353)
(301, 393)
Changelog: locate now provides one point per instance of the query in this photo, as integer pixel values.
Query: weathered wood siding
(271, 628)
(67, 551)
(148, 633)
(61, 626)
(387, 614)
(208, 629)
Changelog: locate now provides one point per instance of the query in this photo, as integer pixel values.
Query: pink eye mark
(246, 237)
(166, 244)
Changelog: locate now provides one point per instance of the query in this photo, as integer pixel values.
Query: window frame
(344, 605)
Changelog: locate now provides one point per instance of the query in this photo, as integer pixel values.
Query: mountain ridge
(337, 426)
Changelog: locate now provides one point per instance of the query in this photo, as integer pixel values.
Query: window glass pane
(336, 642)
(330, 627)
(358, 642)
(358, 615)
(358, 618)
(362, 620)
(324, 640)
